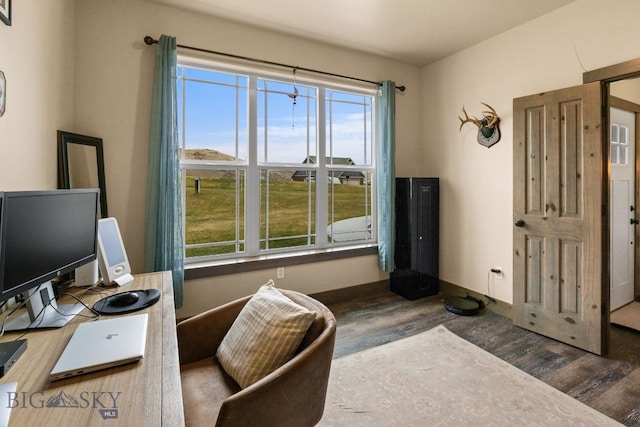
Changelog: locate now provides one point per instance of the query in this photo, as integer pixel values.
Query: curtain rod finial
(149, 40)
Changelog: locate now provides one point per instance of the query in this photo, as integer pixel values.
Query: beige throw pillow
(264, 336)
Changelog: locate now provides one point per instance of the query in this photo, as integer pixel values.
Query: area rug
(628, 316)
(436, 378)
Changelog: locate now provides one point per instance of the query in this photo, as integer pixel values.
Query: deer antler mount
(488, 130)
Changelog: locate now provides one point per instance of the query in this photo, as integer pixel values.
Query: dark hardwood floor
(609, 384)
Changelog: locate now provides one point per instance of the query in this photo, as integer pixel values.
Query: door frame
(634, 108)
(606, 76)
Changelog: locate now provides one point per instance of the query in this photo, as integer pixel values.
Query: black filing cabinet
(417, 238)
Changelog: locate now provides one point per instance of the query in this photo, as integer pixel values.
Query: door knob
(519, 223)
(634, 221)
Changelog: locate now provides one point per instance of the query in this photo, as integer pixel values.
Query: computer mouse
(123, 299)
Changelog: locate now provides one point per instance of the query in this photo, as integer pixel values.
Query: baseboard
(496, 306)
(446, 289)
(345, 294)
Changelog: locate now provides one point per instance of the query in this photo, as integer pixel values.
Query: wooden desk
(144, 393)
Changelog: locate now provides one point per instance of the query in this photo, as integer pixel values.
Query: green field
(210, 214)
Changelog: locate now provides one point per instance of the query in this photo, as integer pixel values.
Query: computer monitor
(44, 235)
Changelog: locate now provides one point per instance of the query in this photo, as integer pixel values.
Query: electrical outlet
(280, 273)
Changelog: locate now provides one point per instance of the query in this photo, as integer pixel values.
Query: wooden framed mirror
(81, 164)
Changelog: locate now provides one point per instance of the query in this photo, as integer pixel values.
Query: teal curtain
(386, 174)
(164, 241)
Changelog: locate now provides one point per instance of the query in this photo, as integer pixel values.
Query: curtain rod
(150, 40)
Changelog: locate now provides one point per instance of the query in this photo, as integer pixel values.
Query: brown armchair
(292, 395)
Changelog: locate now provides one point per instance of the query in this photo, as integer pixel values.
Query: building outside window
(273, 164)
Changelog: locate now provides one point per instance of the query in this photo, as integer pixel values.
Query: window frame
(619, 145)
(252, 192)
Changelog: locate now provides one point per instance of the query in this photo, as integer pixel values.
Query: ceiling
(414, 31)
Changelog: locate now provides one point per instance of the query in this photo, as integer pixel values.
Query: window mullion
(252, 214)
(368, 206)
(321, 173)
(373, 174)
(183, 171)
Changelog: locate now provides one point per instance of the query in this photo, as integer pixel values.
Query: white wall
(307, 278)
(476, 183)
(36, 56)
(113, 90)
(626, 89)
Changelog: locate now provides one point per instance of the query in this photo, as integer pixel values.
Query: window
(619, 144)
(272, 165)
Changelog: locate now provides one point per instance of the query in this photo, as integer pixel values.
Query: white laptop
(102, 344)
(7, 390)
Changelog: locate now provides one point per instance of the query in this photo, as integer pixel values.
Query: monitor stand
(43, 311)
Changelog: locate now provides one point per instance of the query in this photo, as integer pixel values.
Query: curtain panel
(163, 225)
(385, 174)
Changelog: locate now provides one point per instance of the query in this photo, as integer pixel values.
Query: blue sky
(212, 122)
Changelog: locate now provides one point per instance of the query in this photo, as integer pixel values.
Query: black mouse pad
(146, 298)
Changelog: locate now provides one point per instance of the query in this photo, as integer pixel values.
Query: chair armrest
(200, 336)
(303, 381)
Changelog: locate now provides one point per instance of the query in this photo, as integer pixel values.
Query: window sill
(235, 266)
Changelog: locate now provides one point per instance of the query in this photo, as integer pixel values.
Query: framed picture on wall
(5, 11)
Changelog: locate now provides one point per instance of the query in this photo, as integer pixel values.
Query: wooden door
(558, 216)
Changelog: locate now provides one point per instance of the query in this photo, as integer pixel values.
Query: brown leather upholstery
(292, 395)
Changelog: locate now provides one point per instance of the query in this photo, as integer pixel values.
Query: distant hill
(206, 154)
(209, 154)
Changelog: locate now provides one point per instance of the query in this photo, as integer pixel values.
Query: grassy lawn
(210, 215)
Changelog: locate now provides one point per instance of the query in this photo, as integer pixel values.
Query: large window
(273, 165)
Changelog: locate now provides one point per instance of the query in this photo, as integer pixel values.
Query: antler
(468, 119)
(490, 117)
